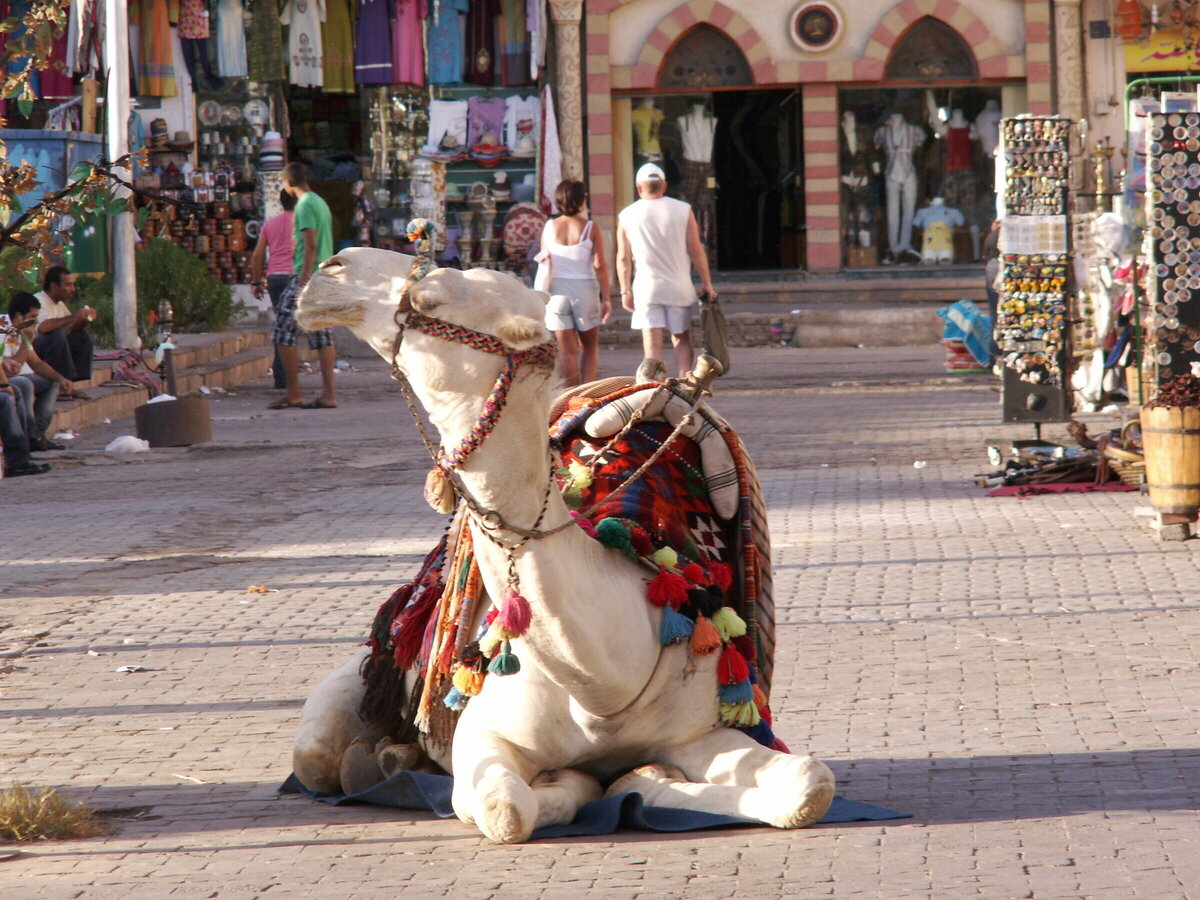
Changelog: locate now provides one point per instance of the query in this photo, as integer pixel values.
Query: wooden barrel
(1171, 440)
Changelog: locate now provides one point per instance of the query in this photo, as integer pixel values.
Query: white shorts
(677, 319)
(574, 305)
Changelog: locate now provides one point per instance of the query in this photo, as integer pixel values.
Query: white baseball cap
(649, 172)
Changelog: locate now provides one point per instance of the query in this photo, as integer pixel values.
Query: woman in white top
(579, 289)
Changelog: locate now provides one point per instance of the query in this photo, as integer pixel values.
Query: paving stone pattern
(1020, 675)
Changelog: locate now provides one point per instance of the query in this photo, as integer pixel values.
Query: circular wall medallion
(815, 27)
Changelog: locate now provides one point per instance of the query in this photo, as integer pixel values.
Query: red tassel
(693, 573)
(780, 746)
(667, 589)
(491, 615)
(764, 713)
(720, 575)
(745, 645)
(408, 637)
(732, 669)
(514, 614)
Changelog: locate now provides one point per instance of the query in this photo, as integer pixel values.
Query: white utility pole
(116, 115)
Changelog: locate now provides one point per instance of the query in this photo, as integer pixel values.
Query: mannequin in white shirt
(900, 140)
(697, 128)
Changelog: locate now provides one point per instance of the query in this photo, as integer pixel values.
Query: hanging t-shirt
(445, 40)
(311, 212)
(481, 41)
(304, 18)
(522, 118)
(447, 125)
(514, 43)
(193, 20)
(231, 39)
(337, 47)
(960, 155)
(373, 41)
(485, 116)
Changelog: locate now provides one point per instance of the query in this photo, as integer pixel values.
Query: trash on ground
(127, 443)
(132, 669)
(919, 463)
(67, 435)
(188, 778)
(161, 398)
(261, 589)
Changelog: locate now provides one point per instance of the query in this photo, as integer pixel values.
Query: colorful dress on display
(231, 39)
(408, 51)
(446, 41)
(155, 66)
(266, 42)
(373, 42)
(481, 41)
(303, 18)
(337, 45)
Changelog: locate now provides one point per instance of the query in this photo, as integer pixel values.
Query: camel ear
(522, 332)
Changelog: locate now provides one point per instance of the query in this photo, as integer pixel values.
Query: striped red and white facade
(627, 42)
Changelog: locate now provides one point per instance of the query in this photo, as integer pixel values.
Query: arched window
(931, 51)
(705, 58)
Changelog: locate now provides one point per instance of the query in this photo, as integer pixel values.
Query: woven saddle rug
(686, 518)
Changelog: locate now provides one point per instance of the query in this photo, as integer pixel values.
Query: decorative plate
(210, 112)
(253, 227)
(232, 114)
(256, 112)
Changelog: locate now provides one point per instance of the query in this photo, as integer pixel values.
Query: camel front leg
(493, 790)
(727, 773)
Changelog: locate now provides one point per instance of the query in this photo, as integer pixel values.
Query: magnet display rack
(1173, 232)
(1031, 319)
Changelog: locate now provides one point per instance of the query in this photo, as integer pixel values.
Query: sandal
(318, 404)
(286, 404)
(73, 395)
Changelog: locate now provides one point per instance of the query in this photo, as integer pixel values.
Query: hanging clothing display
(303, 19)
(447, 126)
(535, 24)
(522, 118)
(193, 38)
(155, 72)
(408, 52)
(56, 78)
(85, 37)
(514, 43)
(231, 39)
(266, 42)
(485, 117)
(337, 47)
(551, 153)
(445, 40)
(373, 42)
(481, 41)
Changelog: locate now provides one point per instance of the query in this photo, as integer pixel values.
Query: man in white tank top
(658, 242)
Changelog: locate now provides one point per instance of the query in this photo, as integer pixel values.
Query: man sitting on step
(15, 423)
(62, 338)
(23, 365)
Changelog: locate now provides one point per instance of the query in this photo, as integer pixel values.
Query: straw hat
(183, 141)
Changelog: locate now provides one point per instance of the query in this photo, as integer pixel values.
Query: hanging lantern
(1130, 22)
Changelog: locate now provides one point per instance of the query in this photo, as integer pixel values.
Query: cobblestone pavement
(1020, 675)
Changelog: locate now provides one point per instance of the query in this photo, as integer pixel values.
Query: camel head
(361, 289)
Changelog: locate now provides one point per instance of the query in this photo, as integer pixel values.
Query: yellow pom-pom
(744, 714)
(581, 475)
(489, 642)
(468, 682)
(665, 557)
(729, 623)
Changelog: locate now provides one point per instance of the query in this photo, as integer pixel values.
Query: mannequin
(697, 128)
(937, 222)
(959, 186)
(899, 140)
(858, 165)
(987, 127)
(647, 119)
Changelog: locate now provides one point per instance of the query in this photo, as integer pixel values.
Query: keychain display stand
(1173, 239)
(1031, 322)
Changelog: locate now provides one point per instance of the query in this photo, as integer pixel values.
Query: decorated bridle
(442, 483)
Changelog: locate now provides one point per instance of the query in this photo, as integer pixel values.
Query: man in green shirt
(312, 244)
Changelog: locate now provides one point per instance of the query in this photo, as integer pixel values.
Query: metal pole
(116, 116)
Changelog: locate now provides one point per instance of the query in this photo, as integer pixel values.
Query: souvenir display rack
(1173, 233)
(1032, 320)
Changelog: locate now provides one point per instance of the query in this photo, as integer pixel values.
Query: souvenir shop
(401, 109)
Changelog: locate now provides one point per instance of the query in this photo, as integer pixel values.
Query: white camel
(597, 697)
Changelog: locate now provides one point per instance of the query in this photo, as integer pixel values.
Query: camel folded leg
(329, 725)
(493, 791)
(728, 773)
